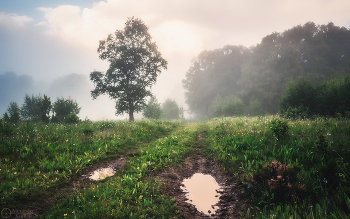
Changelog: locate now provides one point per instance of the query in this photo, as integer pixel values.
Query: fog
(51, 47)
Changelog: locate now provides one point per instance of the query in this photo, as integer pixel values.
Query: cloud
(13, 87)
(13, 20)
(181, 29)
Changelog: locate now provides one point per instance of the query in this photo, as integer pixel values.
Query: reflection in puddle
(201, 192)
(102, 173)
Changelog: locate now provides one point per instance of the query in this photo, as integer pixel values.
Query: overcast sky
(49, 40)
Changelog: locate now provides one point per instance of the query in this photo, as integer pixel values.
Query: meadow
(290, 168)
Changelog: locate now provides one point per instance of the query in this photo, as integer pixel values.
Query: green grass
(316, 153)
(132, 194)
(290, 168)
(38, 158)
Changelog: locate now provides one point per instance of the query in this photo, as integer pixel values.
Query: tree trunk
(131, 112)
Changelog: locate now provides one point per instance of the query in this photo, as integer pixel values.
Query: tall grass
(37, 158)
(132, 193)
(297, 169)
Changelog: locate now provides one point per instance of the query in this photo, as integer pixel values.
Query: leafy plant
(65, 110)
(170, 109)
(152, 109)
(13, 113)
(279, 127)
(227, 106)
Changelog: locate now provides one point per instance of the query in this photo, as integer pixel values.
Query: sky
(47, 44)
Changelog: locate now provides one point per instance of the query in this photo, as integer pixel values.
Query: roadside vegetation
(291, 168)
(38, 158)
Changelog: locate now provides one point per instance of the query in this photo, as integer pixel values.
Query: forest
(255, 78)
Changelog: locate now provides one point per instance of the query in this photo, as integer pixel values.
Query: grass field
(291, 169)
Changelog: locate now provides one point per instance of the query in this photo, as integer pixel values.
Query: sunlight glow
(175, 36)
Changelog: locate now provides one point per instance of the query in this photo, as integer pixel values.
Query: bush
(5, 128)
(330, 98)
(152, 109)
(65, 111)
(279, 128)
(171, 110)
(36, 109)
(296, 112)
(13, 113)
(228, 106)
(255, 108)
(72, 118)
(299, 95)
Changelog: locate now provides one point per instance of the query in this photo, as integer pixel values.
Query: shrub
(228, 106)
(65, 110)
(5, 128)
(72, 118)
(13, 113)
(152, 109)
(171, 110)
(255, 108)
(296, 112)
(300, 95)
(279, 128)
(303, 97)
(36, 109)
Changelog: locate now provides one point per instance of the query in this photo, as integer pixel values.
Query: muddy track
(83, 181)
(232, 199)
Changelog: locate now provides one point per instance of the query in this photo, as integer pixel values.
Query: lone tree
(134, 66)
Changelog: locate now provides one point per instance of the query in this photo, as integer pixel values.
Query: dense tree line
(306, 98)
(260, 74)
(38, 109)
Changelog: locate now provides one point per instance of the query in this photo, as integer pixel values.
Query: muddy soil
(83, 181)
(233, 197)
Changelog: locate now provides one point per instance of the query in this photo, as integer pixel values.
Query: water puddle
(202, 192)
(101, 174)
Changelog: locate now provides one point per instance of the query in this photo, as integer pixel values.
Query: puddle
(202, 192)
(101, 174)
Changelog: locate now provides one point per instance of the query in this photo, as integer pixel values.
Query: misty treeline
(168, 110)
(304, 98)
(236, 80)
(38, 109)
(75, 86)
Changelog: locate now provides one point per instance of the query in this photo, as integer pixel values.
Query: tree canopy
(171, 110)
(213, 73)
(65, 110)
(259, 75)
(36, 107)
(134, 64)
(152, 109)
(13, 113)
